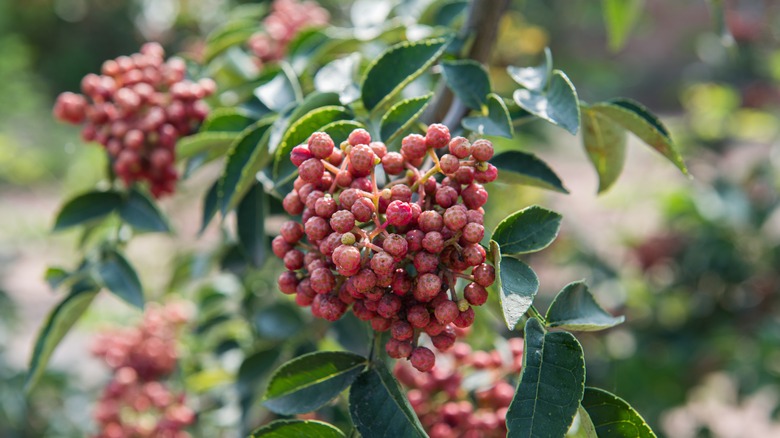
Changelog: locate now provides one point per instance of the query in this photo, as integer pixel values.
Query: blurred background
(694, 264)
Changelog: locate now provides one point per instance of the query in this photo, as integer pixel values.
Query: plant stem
(533, 312)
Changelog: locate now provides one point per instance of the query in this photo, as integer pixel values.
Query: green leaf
(209, 206)
(613, 417)
(118, 276)
(575, 309)
(141, 213)
(517, 285)
(306, 383)
(290, 115)
(232, 34)
(339, 130)
(379, 408)
(280, 91)
(533, 78)
(528, 230)
(212, 142)
(250, 224)
(227, 120)
(582, 426)
(558, 104)
(605, 144)
(401, 116)
(469, 80)
(551, 384)
(86, 208)
(278, 321)
(306, 47)
(248, 154)
(396, 67)
(338, 76)
(250, 380)
(56, 276)
(516, 167)
(637, 119)
(619, 17)
(299, 132)
(497, 122)
(58, 323)
(298, 429)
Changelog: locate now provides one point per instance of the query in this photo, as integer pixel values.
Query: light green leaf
(340, 129)
(620, 16)
(338, 76)
(528, 230)
(248, 154)
(613, 417)
(605, 144)
(298, 429)
(497, 122)
(558, 104)
(231, 34)
(533, 78)
(469, 80)
(517, 285)
(516, 167)
(212, 142)
(575, 309)
(402, 116)
(551, 384)
(227, 120)
(582, 426)
(280, 91)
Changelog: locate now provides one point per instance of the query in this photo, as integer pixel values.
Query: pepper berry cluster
(448, 404)
(286, 19)
(395, 254)
(137, 402)
(137, 109)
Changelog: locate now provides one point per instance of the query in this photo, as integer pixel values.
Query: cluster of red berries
(136, 403)
(286, 19)
(445, 403)
(137, 109)
(394, 254)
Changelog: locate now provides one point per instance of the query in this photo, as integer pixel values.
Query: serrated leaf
(227, 120)
(551, 384)
(517, 285)
(250, 224)
(86, 208)
(60, 320)
(306, 383)
(248, 154)
(299, 132)
(212, 142)
(378, 407)
(605, 144)
(613, 417)
(637, 119)
(298, 429)
(401, 116)
(558, 104)
(469, 80)
(497, 122)
(280, 91)
(338, 76)
(516, 167)
(119, 277)
(619, 17)
(339, 130)
(533, 78)
(528, 230)
(141, 213)
(290, 115)
(575, 309)
(397, 67)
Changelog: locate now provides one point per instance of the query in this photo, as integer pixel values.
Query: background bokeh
(694, 264)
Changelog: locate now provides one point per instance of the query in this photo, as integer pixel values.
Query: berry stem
(432, 171)
(331, 168)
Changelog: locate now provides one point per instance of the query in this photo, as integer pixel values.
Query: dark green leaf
(306, 383)
(209, 206)
(211, 142)
(86, 208)
(250, 224)
(278, 322)
(118, 276)
(248, 154)
(575, 309)
(551, 384)
(141, 213)
(352, 334)
(57, 325)
(533, 78)
(516, 167)
(397, 67)
(252, 375)
(299, 132)
(298, 429)
(497, 122)
(605, 144)
(280, 91)
(620, 16)
(379, 408)
(613, 417)
(558, 104)
(227, 120)
(339, 77)
(528, 230)
(637, 119)
(517, 285)
(400, 117)
(469, 81)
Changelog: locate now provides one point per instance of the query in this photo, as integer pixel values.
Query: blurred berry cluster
(137, 403)
(286, 19)
(394, 254)
(467, 395)
(137, 108)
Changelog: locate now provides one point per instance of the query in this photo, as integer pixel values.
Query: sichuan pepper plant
(376, 141)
